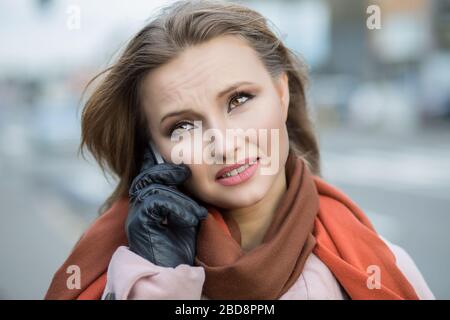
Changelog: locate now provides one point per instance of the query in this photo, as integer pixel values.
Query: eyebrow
(223, 92)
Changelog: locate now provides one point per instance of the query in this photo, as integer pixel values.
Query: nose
(226, 145)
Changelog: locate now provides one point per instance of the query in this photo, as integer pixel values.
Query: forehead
(204, 69)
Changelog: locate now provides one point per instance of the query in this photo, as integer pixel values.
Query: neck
(254, 220)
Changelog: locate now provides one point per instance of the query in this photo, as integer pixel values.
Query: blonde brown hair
(112, 122)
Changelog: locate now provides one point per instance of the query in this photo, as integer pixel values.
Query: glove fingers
(178, 213)
(164, 173)
(169, 173)
(176, 195)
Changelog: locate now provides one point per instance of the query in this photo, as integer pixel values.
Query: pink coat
(132, 277)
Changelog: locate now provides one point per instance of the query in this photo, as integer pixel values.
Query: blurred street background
(380, 99)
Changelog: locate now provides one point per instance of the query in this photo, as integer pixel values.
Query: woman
(266, 228)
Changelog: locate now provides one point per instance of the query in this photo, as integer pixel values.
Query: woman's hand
(162, 222)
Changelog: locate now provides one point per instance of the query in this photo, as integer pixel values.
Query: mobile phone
(156, 155)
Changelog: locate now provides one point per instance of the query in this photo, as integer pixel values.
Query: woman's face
(254, 114)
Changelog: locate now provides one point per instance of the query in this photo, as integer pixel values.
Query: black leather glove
(162, 222)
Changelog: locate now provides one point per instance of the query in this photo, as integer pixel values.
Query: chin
(242, 197)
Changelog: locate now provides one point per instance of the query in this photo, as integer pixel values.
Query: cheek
(198, 179)
(270, 125)
(183, 150)
(265, 112)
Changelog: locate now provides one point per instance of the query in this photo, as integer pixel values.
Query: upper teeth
(238, 170)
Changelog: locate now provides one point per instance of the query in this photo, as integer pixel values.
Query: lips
(229, 168)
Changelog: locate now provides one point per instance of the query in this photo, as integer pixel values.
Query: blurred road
(44, 209)
(403, 183)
